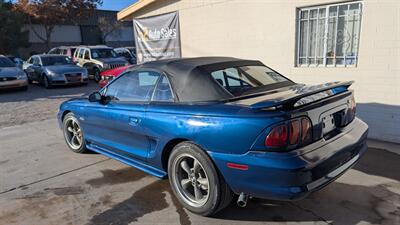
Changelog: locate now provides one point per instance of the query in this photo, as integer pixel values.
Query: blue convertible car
(219, 126)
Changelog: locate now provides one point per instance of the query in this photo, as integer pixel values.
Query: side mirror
(95, 97)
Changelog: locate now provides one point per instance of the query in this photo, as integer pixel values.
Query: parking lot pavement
(42, 182)
(38, 103)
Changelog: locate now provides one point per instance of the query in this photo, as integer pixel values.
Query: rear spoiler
(290, 101)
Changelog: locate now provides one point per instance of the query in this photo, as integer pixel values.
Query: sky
(116, 4)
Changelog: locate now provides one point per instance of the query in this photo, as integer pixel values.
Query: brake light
(296, 132)
(277, 137)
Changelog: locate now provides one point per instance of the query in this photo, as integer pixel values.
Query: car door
(118, 125)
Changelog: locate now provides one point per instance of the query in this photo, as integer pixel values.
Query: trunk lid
(328, 106)
(292, 96)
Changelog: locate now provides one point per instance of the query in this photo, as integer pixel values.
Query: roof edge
(126, 13)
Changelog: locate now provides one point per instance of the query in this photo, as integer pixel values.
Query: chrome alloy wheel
(191, 180)
(73, 133)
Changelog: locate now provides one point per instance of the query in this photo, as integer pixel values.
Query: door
(118, 125)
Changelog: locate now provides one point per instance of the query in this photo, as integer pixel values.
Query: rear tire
(73, 133)
(195, 181)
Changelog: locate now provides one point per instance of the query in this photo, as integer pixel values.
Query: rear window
(246, 79)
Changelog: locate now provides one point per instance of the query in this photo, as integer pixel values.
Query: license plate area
(331, 120)
(328, 124)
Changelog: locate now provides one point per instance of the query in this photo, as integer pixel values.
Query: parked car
(11, 76)
(51, 70)
(218, 126)
(97, 59)
(63, 50)
(109, 75)
(18, 61)
(129, 53)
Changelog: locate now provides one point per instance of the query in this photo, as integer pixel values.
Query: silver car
(52, 70)
(11, 76)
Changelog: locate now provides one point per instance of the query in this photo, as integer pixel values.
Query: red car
(110, 74)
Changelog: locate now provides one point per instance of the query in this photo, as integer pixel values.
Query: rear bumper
(293, 175)
(13, 84)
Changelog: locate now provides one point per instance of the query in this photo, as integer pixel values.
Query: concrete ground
(42, 182)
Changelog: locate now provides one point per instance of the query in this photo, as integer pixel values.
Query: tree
(107, 26)
(50, 13)
(11, 22)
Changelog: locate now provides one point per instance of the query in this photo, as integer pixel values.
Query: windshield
(56, 60)
(5, 62)
(247, 79)
(103, 53)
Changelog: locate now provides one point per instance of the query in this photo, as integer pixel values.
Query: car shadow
(36, 91)
(338, 203)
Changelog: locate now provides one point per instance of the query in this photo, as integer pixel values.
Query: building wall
(266, 30)
(64, 33)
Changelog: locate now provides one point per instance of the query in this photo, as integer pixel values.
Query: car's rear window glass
(239, 80)
(5, 62)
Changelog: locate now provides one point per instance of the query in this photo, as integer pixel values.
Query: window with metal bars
(328, 35)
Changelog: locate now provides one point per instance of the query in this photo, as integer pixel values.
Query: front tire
(195, 181)
(46, 82)
(73, 133)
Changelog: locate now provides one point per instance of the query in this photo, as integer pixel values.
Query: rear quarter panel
(221, 128)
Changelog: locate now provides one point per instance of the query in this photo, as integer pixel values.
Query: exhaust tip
(242, 200)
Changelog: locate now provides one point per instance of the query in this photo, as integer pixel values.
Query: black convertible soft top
(191, 78)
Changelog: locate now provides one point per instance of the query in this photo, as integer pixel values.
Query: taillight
(294, 135)
(306, 131)
(296, 132)
(277, 137)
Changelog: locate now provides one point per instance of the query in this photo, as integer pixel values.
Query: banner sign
(157, 37)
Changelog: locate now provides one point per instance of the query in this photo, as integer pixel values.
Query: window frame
(325, 38)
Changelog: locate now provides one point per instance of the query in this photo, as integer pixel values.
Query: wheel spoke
(74, 139)
(78, 139)
(203, 181)
(196, 165)
(75, 125)
(185, 183)
(185, 167)
(70, 129)
(197, 193)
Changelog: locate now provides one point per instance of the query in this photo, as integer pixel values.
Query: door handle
(134, 121)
